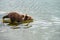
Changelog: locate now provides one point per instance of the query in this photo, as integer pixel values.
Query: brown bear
(14, 16)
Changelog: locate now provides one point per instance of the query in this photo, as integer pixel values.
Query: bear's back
(16, 16)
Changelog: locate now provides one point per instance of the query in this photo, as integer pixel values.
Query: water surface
(46, 25)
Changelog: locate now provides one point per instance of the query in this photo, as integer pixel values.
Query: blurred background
(46, 14)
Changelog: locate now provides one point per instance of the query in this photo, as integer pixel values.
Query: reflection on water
(46, 23)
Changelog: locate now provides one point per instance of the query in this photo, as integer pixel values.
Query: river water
(46, 24)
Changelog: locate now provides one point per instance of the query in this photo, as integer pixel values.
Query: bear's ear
(22, 15)
(25, 14)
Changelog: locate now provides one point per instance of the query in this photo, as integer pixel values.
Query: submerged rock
(15, 23)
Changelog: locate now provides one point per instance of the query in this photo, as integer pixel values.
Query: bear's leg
(12, 20)
(19, 21)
